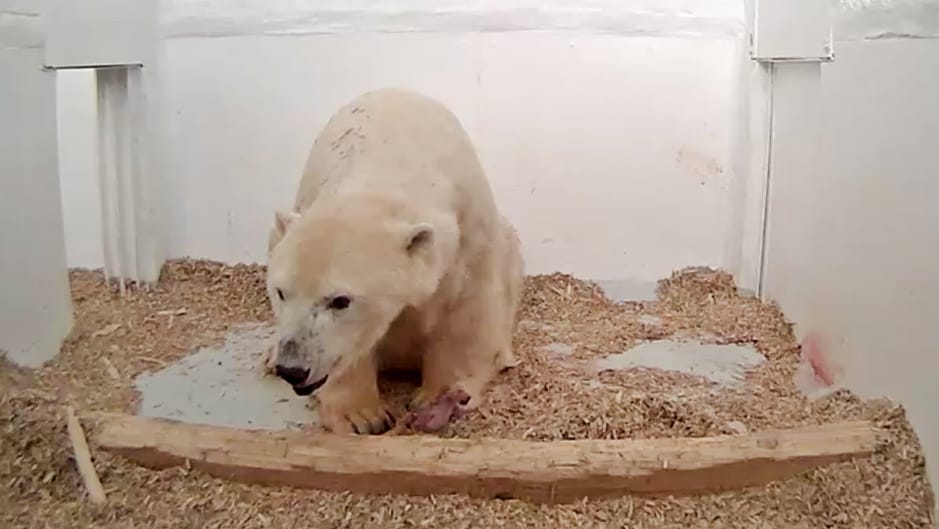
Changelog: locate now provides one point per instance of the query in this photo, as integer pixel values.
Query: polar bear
(395, 256)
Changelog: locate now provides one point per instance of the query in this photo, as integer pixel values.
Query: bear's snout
(295, 376)
(295, 365)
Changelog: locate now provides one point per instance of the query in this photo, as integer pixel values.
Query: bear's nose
(293, 375)
(288, 347)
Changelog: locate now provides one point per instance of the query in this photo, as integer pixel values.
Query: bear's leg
(437, 381)
(513, 282)
(349, 402)
(466, 350)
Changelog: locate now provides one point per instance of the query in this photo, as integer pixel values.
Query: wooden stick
(544, 472)
(83, 458)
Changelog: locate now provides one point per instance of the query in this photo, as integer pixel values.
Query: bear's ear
(283, 220)
(419, 237)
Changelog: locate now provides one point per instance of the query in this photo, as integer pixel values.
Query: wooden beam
(543, 472)
(86, 469)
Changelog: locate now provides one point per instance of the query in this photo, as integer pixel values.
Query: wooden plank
(86, 468)
(543, 472)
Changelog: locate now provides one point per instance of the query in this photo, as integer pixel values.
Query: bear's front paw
(372, 419)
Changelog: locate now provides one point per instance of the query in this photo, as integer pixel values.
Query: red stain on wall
(812, 352)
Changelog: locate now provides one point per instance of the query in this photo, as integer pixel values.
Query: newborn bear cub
(394, 256)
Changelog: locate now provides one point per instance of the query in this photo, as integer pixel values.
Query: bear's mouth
(303, 391)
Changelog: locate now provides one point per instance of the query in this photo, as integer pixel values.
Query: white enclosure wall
(606, 127)
(854, 245)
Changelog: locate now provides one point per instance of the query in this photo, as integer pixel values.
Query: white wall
(855, 257)
(601, 139)
(78, 166)
(876, 240)
(608, 136)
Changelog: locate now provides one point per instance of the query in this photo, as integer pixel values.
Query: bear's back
(398, 142)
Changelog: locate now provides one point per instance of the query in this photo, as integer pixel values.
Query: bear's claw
(373, 420)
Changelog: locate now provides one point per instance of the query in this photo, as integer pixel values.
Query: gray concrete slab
(723, 364)
(628, 290)
(222, 386)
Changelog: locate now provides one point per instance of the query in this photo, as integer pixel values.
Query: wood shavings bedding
(565, 324)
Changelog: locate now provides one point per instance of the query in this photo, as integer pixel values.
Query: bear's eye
(280, 294)
(339, 303)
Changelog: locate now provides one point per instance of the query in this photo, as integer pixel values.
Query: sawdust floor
(550, 396)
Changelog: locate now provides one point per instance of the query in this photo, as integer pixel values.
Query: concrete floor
(624, 290)
(222, 386)
(723, 364)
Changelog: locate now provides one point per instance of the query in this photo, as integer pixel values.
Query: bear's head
(338, 276)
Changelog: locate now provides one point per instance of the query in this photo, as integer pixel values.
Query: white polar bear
(395, 256)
